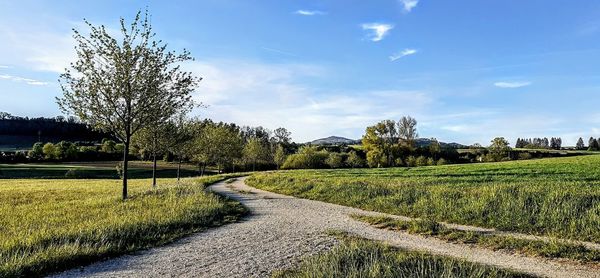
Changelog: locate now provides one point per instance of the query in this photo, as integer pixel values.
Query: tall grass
(51, 225)
(557, 197)
(362, 258)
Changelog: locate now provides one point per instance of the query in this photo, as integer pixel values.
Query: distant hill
(334, 140)
(424, 142)
(337, 140)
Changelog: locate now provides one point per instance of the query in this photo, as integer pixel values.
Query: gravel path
(279, 232)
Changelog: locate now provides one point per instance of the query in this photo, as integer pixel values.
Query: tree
(407, 130)
(152, 140)
(282, 136)
(280, 156)
(499, 148)
(381, 139)
(594, 146)
(37, 151)
(253, 151)
(49, 151)
(108, 146)
(217, 145)
(334, 160)
(179, 141)
(126, 83)
(580, 145)
(435, 148)
(354, 160)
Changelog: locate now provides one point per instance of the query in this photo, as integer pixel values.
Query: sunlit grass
(356, 257)
(51, 225)
(556, 197)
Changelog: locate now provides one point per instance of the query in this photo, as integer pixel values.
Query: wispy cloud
(379, 30)
(4, 67)
(512, 85)
(309, 12)
(409, 4)
(29, 81)
(405, 52)
(278, 51)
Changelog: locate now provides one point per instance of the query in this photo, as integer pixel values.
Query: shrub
(430, 161)
(442, 161)
(524, 156)
(421, 161)
(37, 151)
(49, 151)
(334, 160)
(355, 161)
(411, 161)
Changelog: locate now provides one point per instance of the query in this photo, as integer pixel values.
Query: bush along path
(281, 231)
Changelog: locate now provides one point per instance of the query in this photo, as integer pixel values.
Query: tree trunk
(253, 166)
(154, 170)
(179, 169)
(125, 163)
(202, 167)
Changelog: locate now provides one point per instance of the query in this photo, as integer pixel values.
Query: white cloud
(37, 50)
(4, 67)
(512, 85)
(309, 12)
(409, 4)
(275, 95)
(28, 81)
(379, 30)
(405, 52)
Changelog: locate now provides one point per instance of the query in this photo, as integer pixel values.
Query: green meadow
(557, 197)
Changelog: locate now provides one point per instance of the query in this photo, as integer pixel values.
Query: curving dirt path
(279, 232)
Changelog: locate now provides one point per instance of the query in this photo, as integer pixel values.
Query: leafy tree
(354, 160)
(153, 140)
(180, 139)
(380, 140)
(123, 84)
(254, 151)
(280, 156)
(407, 130)
(499, 148)
(49, 151)
(580, 145)
(435, 148)
(335, 160)
(217, 145)
(37, 151)
(108, 146)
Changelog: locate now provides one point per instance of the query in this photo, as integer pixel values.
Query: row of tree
(593, 144)
(539, 143)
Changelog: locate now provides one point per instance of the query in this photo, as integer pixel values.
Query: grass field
(52, 225)
(96, 170)
(356, 257)
(557, 197)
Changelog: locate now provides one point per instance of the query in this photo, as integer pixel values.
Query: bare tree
(121, 85)
(407, 131)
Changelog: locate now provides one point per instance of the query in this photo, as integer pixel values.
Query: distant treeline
(539, 143)
(57, 127)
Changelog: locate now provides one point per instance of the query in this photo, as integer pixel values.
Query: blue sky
(467, 70)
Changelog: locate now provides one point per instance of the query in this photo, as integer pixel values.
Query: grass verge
(355, 257)
(53, 225)
(538, 248)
